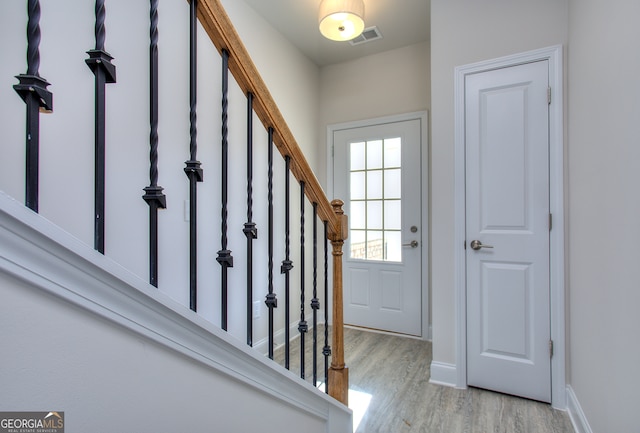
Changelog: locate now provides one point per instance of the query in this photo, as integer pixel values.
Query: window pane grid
(375, 198)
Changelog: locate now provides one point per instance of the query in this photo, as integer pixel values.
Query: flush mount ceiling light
(341, 20)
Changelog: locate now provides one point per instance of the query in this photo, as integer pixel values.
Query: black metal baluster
(287, 264)
(326, 350)
(271, 300)
(153, 193)
(315, 302)
(32, 88)
(303, 327)
(192, 169)
(99, 62)
(250, 230)
(224, 255)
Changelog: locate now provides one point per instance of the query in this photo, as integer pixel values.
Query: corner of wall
(444, 374)
(577, 416)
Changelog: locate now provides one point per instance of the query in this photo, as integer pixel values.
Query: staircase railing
(235, 59)
(216, 22)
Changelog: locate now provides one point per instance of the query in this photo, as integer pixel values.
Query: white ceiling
(401, 22)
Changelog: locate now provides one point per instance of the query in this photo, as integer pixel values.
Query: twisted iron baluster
(271, 300)
(33, 38)
(326, 350)
(315, 302)
(250, 230)
(287, 264)
(99, 62)
(224, 255)
(192, 166)
(32, 88)
(153, 193)
(303, 327)
(100, 31)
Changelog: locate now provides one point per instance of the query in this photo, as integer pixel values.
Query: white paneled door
(507, 230)
(377, 174)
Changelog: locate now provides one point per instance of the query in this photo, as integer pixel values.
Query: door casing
(424, 240)
(556, 207)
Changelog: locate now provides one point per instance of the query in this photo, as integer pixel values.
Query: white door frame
(556, 207)
(424, 179)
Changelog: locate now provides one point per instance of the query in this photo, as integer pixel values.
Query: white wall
(290, 76)
(354, 91)
(85, 336)
(604, 205)
(602, 155)
(66, 141)
(107, 379)
(463, 32)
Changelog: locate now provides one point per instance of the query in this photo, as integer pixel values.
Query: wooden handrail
(222, 33)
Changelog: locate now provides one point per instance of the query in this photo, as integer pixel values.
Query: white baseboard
(443, 374)
(262, 345)
(578, 418)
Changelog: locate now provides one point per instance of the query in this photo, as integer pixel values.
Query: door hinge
(465, 245)
(550, 348)
(333, 150)
(549, 95)
(550, 221)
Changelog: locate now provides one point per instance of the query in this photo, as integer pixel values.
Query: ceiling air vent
(368, 35)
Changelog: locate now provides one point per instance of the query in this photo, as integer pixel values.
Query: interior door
(507, 230)
(377, 174)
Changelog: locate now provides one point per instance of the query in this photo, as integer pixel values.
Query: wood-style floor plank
(394, 371)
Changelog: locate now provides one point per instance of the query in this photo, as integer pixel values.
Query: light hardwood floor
(394, 372)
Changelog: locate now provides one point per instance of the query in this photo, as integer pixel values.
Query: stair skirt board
(55, 264)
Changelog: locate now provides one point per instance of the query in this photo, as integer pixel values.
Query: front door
(377, 174)
(507, 230)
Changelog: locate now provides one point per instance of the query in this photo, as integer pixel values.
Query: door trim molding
(423, 116)
(554, 55)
